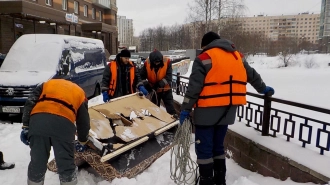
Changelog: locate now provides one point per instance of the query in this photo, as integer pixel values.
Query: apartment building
(125, 31)
(303, 26)
(87, 18)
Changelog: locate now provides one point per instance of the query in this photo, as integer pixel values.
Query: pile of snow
(296, 61)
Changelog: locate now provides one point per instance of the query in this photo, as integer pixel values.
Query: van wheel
(97, 91)
(4, 116)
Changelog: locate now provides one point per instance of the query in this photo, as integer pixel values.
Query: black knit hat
(125, 53)
(208, 38)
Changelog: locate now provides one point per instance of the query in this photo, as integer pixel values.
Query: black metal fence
(271, 121)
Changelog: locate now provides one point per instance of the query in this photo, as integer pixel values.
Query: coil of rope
(151, 95)
(183, 168)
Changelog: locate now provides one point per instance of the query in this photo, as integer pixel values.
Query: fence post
(178, 83)
(266, 116)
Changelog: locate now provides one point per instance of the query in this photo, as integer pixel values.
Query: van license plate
(11, 109)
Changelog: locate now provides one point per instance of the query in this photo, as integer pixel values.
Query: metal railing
(271, 121)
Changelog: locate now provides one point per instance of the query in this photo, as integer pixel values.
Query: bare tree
(228, 9)
(287, 47)
(203, 11)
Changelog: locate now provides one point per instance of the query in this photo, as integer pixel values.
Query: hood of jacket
(156, 56)
(224, 44)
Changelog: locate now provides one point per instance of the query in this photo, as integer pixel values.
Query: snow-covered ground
(297, 83)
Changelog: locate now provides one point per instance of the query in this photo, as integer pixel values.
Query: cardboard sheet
(100, 125)
(133, 103)
(139, 128)
(143, 124)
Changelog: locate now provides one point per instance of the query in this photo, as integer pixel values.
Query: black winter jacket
(123, 72)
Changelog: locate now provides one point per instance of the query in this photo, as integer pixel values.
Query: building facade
(87, 18)
(303, 26)
(125, 31)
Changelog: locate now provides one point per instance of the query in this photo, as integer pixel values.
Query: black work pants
(64, 157)
(167, 98)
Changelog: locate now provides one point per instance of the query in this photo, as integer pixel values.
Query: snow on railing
(297, 121)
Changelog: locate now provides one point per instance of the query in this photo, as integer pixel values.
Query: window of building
(85, 10)
(64, 4)
(100, 16)
(49, 2)
(93, 13)
(76, 7)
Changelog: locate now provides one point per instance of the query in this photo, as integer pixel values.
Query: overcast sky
(151, 13)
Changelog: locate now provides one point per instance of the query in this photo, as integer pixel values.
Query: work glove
(24, 136)
(143, 90)
(105, 96)
(81, 146)
(175, 116)
(155, 86)
(269, 91)
(184, 115)
(161, 84)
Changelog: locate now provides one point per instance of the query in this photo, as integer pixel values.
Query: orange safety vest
(225, 83)
(113, 81)
(153, 78)
(60, 97)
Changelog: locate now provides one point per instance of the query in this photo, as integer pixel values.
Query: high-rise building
(325, 19)
(125, 31)
(95, 19)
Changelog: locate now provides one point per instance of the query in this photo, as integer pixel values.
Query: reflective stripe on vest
(154, 78)
(113, 80)
(225, 83)
(60, 97)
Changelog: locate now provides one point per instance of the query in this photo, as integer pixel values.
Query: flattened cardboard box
(145, 116)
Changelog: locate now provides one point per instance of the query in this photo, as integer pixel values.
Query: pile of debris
(127, 135)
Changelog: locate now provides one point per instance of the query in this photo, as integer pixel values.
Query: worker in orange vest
(217, 86)
(156, 75)
(52, 115)
(120, 77)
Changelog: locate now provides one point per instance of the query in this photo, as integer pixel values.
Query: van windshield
(33, 54)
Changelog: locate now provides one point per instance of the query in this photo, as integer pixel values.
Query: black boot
(4, 165)
(219, 171)
(206, 174)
